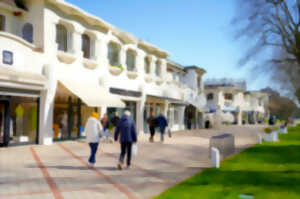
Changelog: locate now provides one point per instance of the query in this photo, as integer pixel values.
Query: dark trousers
(126, 148)
(94, 148)
(152, 130)
(162, 133)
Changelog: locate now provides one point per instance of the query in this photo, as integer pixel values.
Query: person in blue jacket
(127, 131)
(162, 124)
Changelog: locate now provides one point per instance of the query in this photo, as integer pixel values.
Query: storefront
(19, 119)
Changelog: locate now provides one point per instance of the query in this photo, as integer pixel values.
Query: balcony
(90, 63)
(148, 78)
(132, 74)
(116, 70)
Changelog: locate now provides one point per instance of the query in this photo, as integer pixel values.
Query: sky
(194, 32)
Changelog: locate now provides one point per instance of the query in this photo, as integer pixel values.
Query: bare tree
(273, 25)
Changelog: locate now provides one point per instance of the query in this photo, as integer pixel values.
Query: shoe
(91, 165)
(128, 167)
(120, 166)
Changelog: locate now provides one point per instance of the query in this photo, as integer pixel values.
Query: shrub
(118, 66)
(268, 130)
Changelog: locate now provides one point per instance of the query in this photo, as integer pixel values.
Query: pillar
(181, 117)
(47, 106)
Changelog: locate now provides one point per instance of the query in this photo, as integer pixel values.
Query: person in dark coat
(127, 131)
(162, 124)
(152, 122)
(115, 119)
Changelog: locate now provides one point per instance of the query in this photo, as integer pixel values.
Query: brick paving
(60, 171)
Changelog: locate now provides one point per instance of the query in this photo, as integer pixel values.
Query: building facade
(228, 101)
(59, 63)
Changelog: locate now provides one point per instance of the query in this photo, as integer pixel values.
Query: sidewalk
(60, 171)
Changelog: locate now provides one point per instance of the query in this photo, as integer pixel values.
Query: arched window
(158, 68)
(86, 46)
(130, 60)
(113, 54)
(147, 61)
(27, 32)
(210, 96)
(2, 23)
(228, 96)
(62, 37)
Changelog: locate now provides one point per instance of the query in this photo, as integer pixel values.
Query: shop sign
(7, 57)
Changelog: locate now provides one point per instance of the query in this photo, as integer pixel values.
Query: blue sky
(194, 32)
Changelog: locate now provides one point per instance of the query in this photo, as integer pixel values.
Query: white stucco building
(229, 100)
(59, 63)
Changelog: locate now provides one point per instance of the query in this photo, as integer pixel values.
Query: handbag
(169, 132)
(134, 150)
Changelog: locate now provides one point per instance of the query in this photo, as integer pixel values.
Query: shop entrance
(4, 123)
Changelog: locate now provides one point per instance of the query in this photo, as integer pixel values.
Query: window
(210, 96)
(147, 65)
(130, 60)
(113, 54)
(228, 96)
(62, 37)
(2, 23)
(86, 46)
(158, 68)
(27, 32)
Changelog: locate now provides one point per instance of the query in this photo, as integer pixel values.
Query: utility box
(224, 143)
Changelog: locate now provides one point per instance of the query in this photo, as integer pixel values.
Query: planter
(115, 70)
(132, 75)
(148, 78)
(90, 63)
(66, 57)
(159, 81)
(283, 130)
(271, 137)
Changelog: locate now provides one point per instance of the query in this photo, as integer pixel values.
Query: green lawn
(266, 171)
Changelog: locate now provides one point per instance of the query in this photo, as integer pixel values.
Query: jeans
(162, 133)
(125, 148)
(94, 148)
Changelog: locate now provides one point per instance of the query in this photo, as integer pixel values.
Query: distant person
(271, 120)
(152, 123)
(127, 131)
(162, 124)
(94, 132)
(115, 120)
(105, 124)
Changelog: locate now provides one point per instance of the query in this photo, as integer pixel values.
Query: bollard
(215, 157)
(259, 139)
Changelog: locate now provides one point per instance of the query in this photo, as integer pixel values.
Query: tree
(273, 25)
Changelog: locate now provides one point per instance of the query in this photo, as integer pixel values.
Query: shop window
(228, 96)
(113, 54)
(62, 37)
(147, 65)
(158, 68)
(210, 96)
(27, 32)
(130, 60)
(2, 23)
(86, 46)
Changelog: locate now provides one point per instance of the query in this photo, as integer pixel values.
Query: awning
(92, 94)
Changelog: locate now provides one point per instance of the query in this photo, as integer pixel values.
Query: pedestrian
(162, 124)
(94, 132)
(105, 124)
(152, 122)
(115, 120)
(128, 136)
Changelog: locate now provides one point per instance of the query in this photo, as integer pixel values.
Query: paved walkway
(60, 171)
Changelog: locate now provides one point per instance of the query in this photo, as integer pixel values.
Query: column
(122, 58)
(181, 117)
(140, 116)
(47, 106)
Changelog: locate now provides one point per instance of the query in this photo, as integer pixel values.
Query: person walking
(94, 131)
(162, 124)
(127, 131)
(115, 120)
(105, 125)
(152, 122)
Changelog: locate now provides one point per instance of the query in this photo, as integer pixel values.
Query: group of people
(124, 131)
(159, 122)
